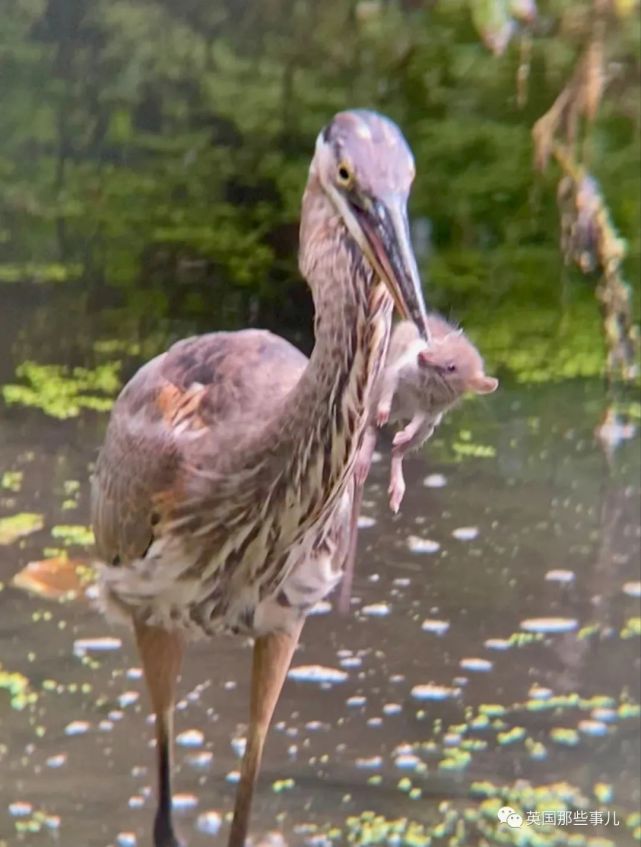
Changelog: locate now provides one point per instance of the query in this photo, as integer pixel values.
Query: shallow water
(446, 676)
(152, 158)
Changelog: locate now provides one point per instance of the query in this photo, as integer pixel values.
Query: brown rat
(419, 384)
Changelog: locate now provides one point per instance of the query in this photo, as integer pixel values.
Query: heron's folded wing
(190, 406)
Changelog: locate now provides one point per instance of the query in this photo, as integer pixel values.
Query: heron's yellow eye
(344, 175)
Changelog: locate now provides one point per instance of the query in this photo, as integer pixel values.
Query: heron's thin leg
(271, 660)
(345, 594)
(361, 470)
(161, 653)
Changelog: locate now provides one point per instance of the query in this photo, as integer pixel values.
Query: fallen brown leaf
(58, 578)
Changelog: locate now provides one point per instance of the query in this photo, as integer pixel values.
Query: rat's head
(457, 365)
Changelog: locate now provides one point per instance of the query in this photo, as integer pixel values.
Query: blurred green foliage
(159, 150)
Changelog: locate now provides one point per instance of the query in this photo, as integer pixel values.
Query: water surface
(439, 692)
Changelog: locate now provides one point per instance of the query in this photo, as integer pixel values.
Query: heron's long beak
(390, 252)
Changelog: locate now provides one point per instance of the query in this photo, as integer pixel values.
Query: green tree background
(153, 155)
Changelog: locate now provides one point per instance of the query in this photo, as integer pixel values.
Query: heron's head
(365, 167)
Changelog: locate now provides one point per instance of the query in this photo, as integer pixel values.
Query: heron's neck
(327, 410)
(294, 472)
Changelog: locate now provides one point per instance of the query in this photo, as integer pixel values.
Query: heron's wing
(200, 398)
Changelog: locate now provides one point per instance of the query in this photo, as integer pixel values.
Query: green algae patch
(492, 710)
(18, 526)
(632, 628)
(73, 535)
(536, 749)
(558, 703)
(474, 744)
(71, 489)
(464, 450)
(456, 759)
(62, 392)
(629, 710)
(17, 686)
(484, 789)
(281, 785)
(11, 481)
(588, 631)
(480, 722)
(370, 828)
(522, 639)
(564, 736)
(512, 736)
(603, 793)
(464, 823)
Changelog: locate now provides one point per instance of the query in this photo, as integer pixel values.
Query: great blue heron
(221, 497)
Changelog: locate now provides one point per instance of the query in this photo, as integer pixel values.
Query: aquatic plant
(17, 526)
(63, 392)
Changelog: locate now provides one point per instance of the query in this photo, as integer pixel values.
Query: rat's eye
(451, 368)
(344, 175)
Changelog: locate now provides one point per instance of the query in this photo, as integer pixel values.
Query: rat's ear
(481, 384)
(425, 357)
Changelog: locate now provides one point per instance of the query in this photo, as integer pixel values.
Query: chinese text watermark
(563, 817)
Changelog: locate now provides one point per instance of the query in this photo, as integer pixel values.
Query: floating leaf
(56, 578)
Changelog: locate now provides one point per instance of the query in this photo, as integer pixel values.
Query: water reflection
(471, 664)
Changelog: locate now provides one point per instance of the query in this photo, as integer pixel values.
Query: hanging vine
(589, 238)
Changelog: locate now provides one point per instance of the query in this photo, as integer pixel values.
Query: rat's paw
(396, 492)
(382, 414)
(401, 438)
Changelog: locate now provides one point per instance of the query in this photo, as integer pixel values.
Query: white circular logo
(506, 814)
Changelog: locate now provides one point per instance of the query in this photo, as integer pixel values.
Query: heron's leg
(271, 660)
(350, 560)
(364, 456)
(161, 653)
(361, 470)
